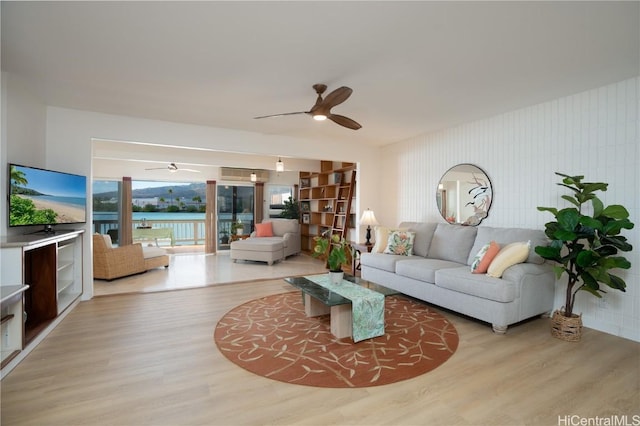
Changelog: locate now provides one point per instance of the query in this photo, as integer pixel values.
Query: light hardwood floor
(150, 359)
(190, 268)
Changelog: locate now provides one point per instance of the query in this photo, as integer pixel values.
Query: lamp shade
(253, 177)
(279, 166)
(368, 218)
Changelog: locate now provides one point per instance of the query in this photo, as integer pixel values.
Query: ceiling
(414, 67)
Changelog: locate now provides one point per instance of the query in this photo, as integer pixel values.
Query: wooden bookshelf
(325, 199)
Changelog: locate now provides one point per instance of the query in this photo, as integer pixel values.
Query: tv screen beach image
(45, 197)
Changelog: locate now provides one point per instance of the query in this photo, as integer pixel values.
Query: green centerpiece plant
(585, 248)
(332, 247)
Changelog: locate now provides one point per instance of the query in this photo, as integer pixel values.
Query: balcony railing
(185, 232)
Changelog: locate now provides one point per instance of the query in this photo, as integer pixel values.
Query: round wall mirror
(464, 195)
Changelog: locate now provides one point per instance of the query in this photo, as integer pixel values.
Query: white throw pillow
(509, 255)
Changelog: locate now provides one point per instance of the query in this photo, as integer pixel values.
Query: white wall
(594, 133)
(23, 133)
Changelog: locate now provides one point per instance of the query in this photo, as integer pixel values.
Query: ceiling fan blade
(344, 121)
(157, 168)
(336, 97)
(189, 170)
(282, 115)
(322, 107)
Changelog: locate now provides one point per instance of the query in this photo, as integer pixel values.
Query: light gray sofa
(439, 272)
(285, 242)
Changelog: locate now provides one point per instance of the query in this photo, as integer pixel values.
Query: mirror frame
(474, 192)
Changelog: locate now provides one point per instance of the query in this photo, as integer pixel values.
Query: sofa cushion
(479, 285)
(264, 229)
(509, 255)
(150, 252)
(485, 256)
(382, 237)
(386, 262)
(259, 244)
(282, 226)
(452, 242)
(424, 234)
(422, 269)
(504, 236)
(401, 243)
(107, 240)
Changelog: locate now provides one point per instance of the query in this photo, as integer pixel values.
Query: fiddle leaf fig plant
(585, 246)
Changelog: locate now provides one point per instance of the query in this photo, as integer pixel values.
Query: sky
(139, 184)
(54, 183)
(108, 186)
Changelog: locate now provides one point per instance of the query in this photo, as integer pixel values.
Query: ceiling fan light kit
(321, 110)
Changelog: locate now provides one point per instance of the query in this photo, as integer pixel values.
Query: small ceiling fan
(173, 168)
(321, 110)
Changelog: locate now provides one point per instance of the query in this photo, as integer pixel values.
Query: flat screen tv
(45, 197)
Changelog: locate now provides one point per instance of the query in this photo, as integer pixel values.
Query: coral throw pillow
(400, 242)
(484, 258)
(264, 229)
(509, 255)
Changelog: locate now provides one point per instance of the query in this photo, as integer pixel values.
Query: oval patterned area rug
(273, 337)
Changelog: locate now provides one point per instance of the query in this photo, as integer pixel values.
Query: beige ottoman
(265, 249)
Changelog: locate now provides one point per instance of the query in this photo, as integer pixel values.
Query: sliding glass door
(106, 208)
(235, 213)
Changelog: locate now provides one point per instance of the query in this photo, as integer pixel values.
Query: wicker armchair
(114, 262)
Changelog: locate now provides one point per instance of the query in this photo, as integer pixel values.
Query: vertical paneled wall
(593, 133)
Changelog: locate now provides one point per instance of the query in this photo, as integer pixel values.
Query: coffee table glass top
(331, 298)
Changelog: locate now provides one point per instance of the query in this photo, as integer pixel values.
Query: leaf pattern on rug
(272, 337)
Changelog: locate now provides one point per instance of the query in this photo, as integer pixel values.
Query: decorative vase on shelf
(336, 277)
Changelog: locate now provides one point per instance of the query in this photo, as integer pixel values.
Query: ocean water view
(70, 201)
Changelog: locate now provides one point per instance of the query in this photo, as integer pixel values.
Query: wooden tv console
(40, 278)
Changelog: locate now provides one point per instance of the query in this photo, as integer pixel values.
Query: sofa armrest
(291, 242)
(118, 262)
(131, 253)
(535, 285)
(290, 237)
(516, 272)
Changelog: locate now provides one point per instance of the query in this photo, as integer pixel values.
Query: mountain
(179, 191)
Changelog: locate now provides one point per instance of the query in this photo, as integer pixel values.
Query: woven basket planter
(568, 329)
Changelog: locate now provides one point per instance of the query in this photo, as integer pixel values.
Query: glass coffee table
(319, 300)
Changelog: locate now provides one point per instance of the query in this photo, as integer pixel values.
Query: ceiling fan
(321, 110)
(173, 168)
